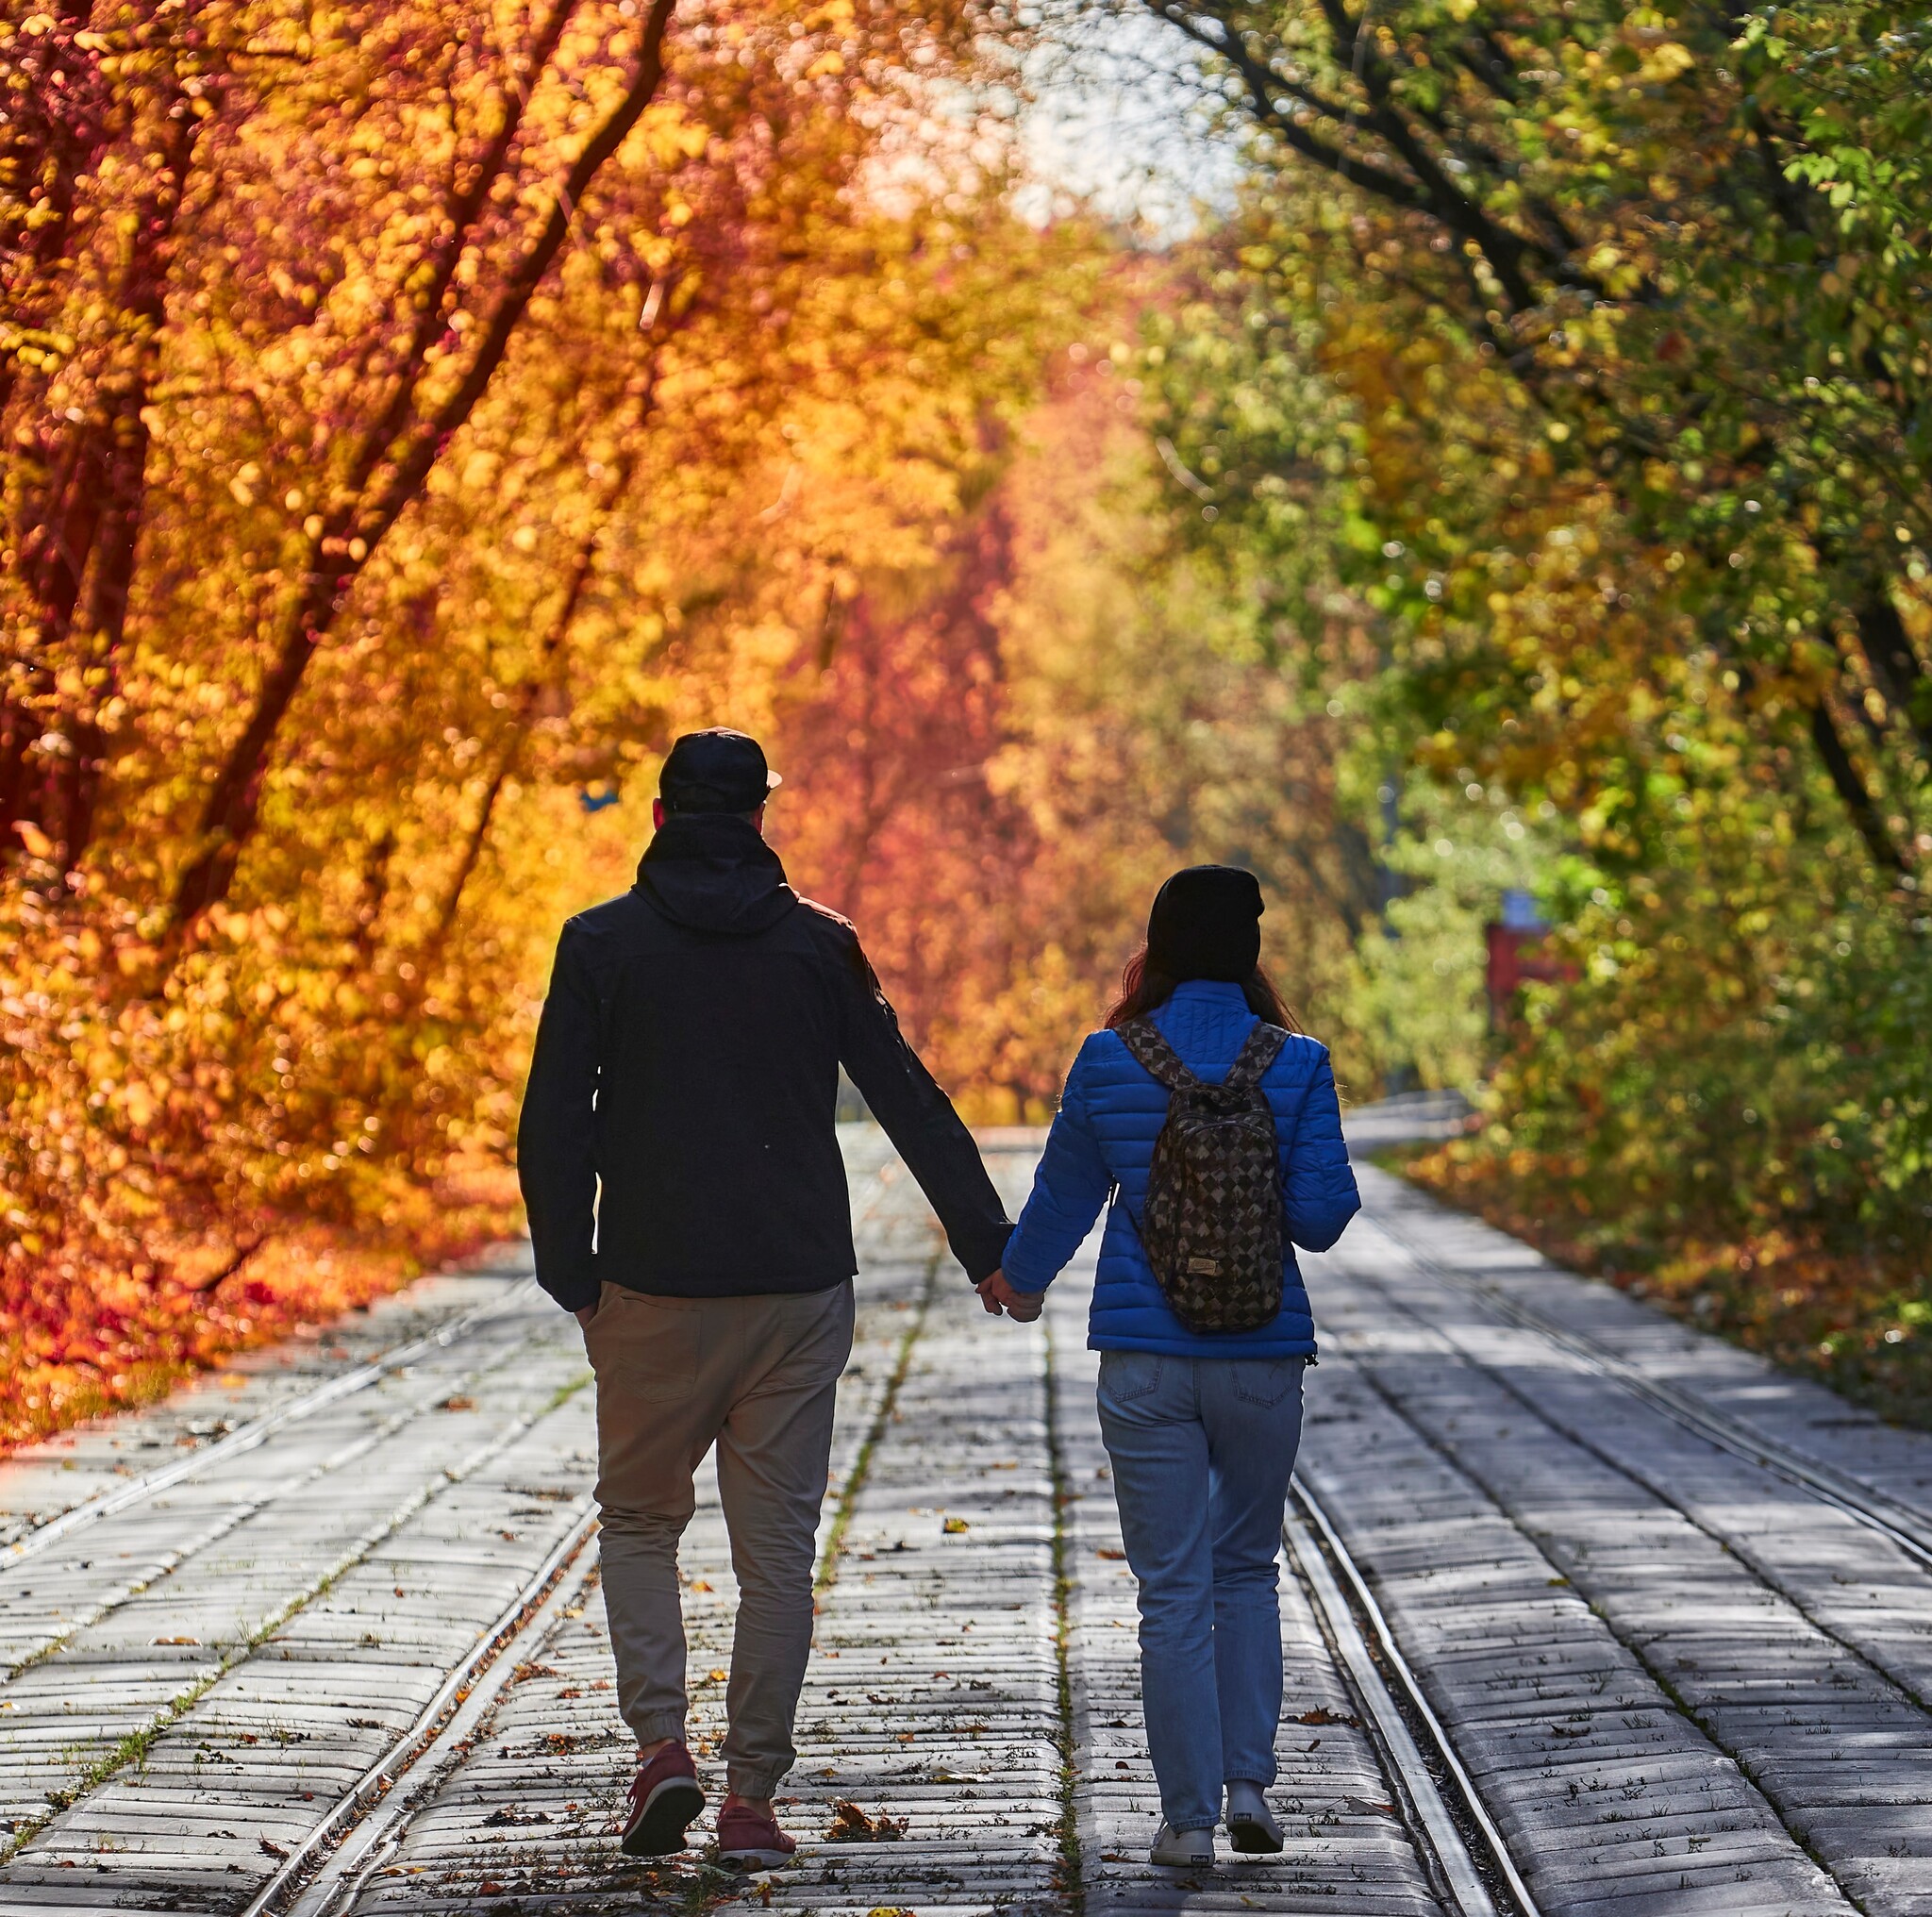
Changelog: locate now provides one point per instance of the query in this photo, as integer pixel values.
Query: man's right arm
(557, 1137)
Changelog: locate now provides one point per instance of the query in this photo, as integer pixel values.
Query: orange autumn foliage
(399, 457)
(95, 1342)
(390, 408)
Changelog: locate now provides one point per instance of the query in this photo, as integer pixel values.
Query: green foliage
(1416, 1003)
(1692, 1088)
(1574, 358)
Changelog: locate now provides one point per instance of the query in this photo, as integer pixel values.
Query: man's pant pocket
(645, 1347)
(816, 1329)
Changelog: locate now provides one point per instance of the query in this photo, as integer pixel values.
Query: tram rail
(1469, 1858)
(1909, 1529)
(417, 1758)
(258, 1430)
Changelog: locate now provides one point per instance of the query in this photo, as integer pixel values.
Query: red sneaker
(665, 1797)
(751, 1840)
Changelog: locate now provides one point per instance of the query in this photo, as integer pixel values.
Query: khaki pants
(758, 1376)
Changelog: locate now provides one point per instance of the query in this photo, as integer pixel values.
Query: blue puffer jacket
(1102, 1141)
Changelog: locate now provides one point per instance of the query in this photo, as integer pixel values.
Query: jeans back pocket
(1126, 1376)
(1266, 1380)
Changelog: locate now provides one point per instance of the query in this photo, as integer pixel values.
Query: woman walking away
(1212, 1121)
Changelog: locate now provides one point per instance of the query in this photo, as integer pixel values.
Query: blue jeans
(1202, 1450)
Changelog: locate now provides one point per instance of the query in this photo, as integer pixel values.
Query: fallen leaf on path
(851, 1825)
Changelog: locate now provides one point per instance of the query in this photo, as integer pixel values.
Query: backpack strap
(1262, 1047)
(1143, 1037)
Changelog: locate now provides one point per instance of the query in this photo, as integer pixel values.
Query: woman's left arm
(1319, 1188)
(1068, 1188)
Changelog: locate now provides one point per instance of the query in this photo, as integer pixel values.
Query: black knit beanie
(1206, 923)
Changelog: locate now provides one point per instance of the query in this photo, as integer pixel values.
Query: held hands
(1000, 1298)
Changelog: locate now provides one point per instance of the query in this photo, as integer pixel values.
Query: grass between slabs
(1071, 1876)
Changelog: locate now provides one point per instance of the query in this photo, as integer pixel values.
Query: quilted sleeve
(1068, 1188)
(1319, 1188)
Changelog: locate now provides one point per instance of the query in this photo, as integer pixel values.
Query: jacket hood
(715, 873)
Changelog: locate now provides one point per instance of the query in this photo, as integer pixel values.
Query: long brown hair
(1142, 988)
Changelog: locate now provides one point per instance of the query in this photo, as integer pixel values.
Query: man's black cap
(715, 771)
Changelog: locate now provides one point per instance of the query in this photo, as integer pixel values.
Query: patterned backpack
(1213, 1223)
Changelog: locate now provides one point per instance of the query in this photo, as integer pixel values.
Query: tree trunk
(549, 656)
(103, 612)
(399, 472)
(1901, 675)
(234, 800)
(368, 897)
(57, 141)
(1858, 799)
(79, 558)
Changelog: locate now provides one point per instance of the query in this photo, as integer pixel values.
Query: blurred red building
(1519, 953)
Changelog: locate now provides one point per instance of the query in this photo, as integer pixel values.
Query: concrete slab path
(323, 1633)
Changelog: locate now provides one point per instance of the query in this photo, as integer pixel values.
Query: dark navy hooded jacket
(1102, 1143)
(677, 1134)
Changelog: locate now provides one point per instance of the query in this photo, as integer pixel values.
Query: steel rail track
(359, 1551)
(247, 1437)
(1911, 1530)
(527, 1617)
(464, 1697)
(176, 1561)
(1376, 1674)
(232, 1521)
(370, 1845)
(438, 1739)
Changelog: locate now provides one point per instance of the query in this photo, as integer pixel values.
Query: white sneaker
(1251, 1826)
(1182, 1847)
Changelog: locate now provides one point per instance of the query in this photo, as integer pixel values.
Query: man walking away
(687, 1063)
